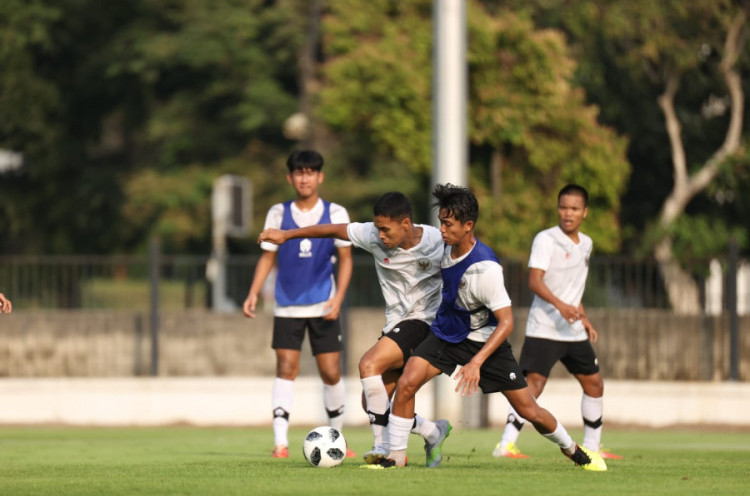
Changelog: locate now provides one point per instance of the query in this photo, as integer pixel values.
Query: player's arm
(593, 335)
(5, 305)
(343, 277)
(538, 287)
(468, 375)
(279, 236)
(265, 264)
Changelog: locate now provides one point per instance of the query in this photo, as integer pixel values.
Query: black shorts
(408, 334)
(539, 355)
(500, 372)
(325, 335)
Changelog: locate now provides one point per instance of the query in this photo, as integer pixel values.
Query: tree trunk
(681, 287)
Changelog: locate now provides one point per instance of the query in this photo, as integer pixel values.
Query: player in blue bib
(310, 280)
(307, 297)
(470, 331)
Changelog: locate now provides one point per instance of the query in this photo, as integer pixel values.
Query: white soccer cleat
(377, 454)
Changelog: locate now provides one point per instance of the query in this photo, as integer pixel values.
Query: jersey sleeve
(273, 221)
(541, 252)
(359, 234)
(339, 215)
(491, 288)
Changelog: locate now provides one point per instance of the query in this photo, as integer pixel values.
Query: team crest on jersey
(424, 264)
(462, 284)
(386, 260)
(305, 248)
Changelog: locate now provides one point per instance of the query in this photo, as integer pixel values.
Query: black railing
(122, 282)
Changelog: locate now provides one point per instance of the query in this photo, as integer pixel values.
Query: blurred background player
(407, 262)
(557, 327)
(5, 305)
(471, 330)
(306, 295)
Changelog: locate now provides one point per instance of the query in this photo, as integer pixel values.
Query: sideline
(245, 401)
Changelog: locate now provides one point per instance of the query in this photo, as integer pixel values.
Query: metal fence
(94, 316)
(122, 282)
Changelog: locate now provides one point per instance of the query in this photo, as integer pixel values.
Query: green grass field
(227, 461)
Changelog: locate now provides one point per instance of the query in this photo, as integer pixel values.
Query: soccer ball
(324, 447)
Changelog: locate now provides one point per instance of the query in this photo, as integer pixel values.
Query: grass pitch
(229, 461)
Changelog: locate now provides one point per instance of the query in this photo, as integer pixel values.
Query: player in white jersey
(470, 331)
(557, 326)
(407, 260)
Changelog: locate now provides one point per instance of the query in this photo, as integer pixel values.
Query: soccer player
(471, 330)
(407, 261)
(557, 327)
(307, 296)
(5, 305)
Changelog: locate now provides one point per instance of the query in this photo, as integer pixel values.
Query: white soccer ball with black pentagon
(324, 447)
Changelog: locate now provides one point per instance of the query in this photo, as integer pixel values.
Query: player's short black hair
(304, 159)
(459, 202)
(574, 189)
(393, 205)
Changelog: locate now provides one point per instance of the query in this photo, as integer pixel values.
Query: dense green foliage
(626, 51)
(522, 102)
(126, 111)
(226, 461)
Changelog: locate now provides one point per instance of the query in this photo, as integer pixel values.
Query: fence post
(154, 262)
(734, 334)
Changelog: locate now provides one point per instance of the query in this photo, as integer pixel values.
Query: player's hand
(275, 236)
(332, 309)
(593, 335)
(569, 313)
(248, 307)
(5, 305)
(468, 379)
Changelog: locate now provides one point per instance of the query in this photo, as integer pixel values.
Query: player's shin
(398, 431)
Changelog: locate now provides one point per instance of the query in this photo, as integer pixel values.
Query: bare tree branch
(686, 187)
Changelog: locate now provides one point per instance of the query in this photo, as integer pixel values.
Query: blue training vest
(305, 266)
(453, 322)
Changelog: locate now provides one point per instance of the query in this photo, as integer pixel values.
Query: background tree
(670, 75)
(532, 132)
(126, 110)
(524, 109)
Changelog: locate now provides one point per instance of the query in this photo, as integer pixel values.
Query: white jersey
(307, 218)
(566, 266)
(482, 285)
(409, 279)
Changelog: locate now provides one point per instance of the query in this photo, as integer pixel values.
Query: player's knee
(367, 367)
(530, 412)
(593, 386)
(330, 377)
(406, 389)
(288, 371)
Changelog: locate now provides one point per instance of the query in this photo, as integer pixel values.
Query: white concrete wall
(246, 401)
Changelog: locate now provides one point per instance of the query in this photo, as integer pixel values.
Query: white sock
(398, 432)
(561, 437)
(513, 428)
(333, 399)
(425, 428)
(378, 408)
(281, 399)
(591, 410)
